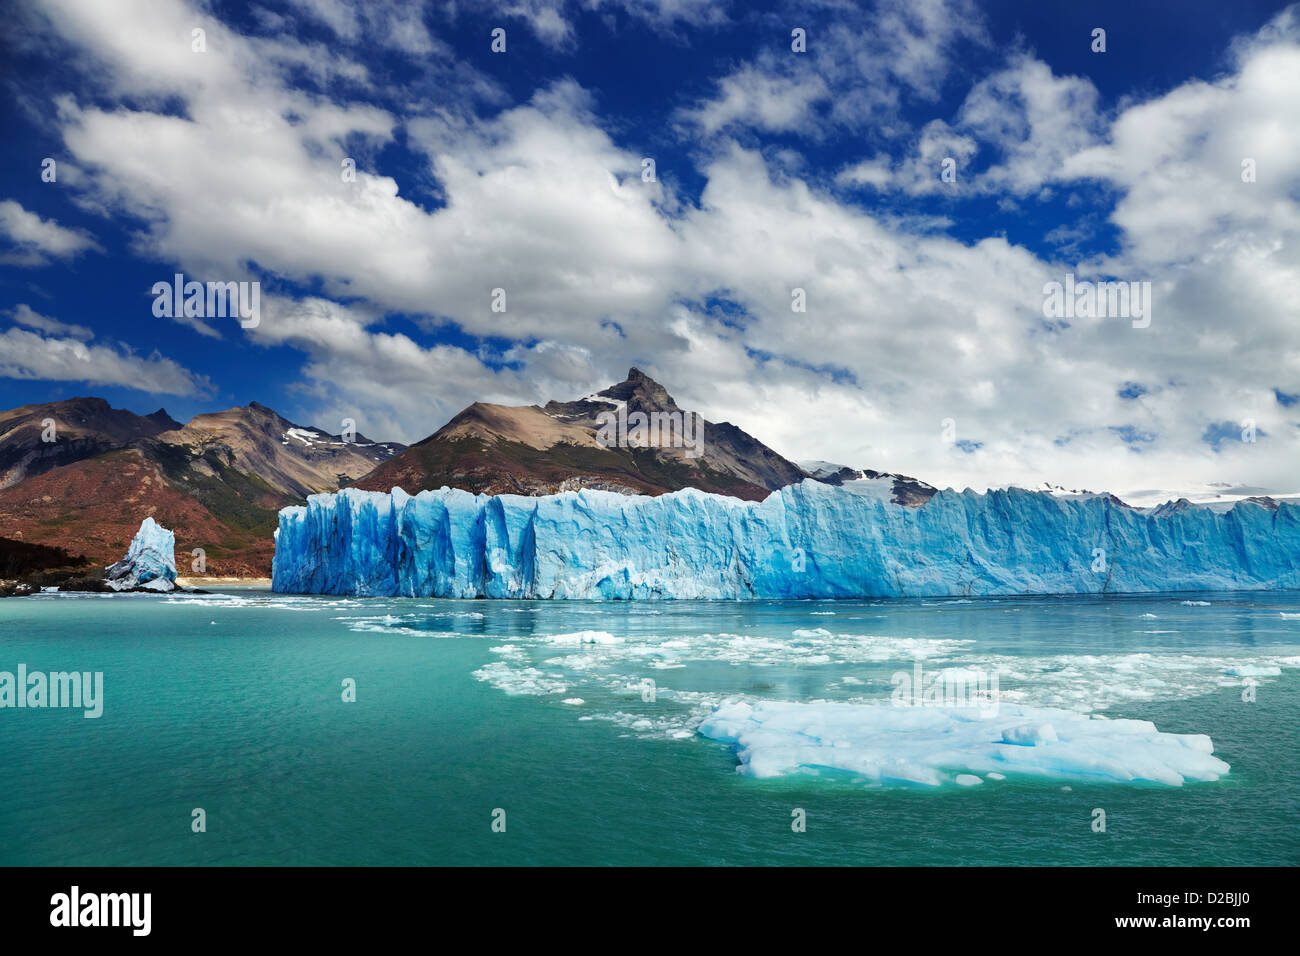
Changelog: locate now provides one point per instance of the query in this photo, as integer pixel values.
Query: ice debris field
(809, 540)
(1045, 723)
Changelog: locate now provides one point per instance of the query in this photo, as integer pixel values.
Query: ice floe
(932, 746)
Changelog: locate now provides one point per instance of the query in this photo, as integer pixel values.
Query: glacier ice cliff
(808, 540)
(150, 561)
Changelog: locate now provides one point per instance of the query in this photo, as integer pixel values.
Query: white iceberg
(150, 561)
(928, 745)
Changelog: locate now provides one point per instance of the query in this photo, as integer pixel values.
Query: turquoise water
(232, 703)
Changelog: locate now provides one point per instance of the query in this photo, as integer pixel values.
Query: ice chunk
(150, 561)
(809, 540)
(1254, 670)
(583, 637)
(924, 745)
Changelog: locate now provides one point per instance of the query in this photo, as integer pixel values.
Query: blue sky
(775, 170)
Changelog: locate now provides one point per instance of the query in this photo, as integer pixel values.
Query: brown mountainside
(531, 450)
(217, 482)
(81, 427)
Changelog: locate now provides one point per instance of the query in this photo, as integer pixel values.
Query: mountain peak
(86, 426)
(164, 421)
(641, 392)
(256, 411)
(527, 449)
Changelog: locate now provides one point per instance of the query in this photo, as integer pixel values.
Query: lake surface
(233, 703)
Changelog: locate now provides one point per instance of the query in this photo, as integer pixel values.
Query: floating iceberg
(935, 745)
(150, 561)
(808, 540)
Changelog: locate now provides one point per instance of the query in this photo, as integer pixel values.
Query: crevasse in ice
(809, 540)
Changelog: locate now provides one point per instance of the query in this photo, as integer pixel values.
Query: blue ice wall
(809, 540)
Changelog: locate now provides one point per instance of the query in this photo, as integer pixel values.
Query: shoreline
(204, 581)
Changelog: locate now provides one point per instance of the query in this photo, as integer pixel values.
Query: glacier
(150, 561)
(809, 540)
